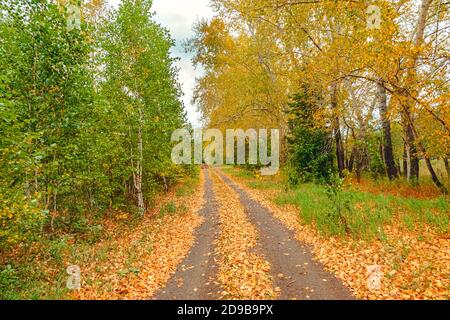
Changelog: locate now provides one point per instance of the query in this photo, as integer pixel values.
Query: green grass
(238, 173)
(188, 186)
(360, 215)
(263, 185)
(365, 214)
(167, 208)
(24, 279)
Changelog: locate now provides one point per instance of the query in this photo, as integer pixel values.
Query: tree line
(87, 109)
(370, 91)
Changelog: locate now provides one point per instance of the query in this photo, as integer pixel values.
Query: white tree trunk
(138, 174)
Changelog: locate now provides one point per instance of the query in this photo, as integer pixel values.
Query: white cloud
(178, 16)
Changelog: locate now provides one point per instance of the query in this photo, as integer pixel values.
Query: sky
(178, 16)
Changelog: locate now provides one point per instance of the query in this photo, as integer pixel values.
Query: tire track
(196, 276)
(294, 270)
(243, 272)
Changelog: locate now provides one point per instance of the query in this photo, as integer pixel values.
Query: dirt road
(293, 270)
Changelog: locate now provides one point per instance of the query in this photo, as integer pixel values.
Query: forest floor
(120, 256)
(230, 234)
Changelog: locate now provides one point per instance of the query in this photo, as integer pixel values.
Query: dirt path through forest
(295, 274)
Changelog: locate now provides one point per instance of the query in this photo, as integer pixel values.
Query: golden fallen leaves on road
(142, 259)
(243, 274)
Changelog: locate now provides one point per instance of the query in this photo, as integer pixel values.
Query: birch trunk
(447, 166)
(410, 135)
(138, 174)
(388, 154)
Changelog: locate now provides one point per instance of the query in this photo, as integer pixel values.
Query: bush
(21, 219)
(310, 159)
(340, 206)
(377, 166)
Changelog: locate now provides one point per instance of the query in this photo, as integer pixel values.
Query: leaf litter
(141, 260)
(411, 268)
(242, 273)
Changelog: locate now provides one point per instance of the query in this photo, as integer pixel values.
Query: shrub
(21, 219)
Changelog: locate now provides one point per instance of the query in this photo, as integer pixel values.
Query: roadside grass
(264, 185)
(188, 186)
(237, 172)
(38, 273)
(167, 208)
(352, 212)
(38, 270)
(363, 214)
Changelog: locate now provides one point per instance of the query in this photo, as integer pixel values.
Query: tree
(310, 147)
(48, 93)
(87, 113)
(140, 85)
(327, 45)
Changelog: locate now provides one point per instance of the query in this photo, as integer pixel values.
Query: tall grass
(363, 215)
(347, 211)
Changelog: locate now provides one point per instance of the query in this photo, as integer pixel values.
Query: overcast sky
(178, 16)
